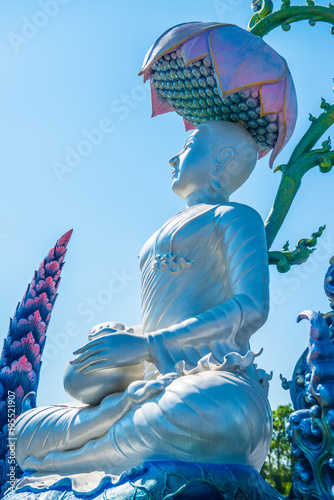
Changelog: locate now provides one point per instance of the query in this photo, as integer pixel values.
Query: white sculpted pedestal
(204, 293)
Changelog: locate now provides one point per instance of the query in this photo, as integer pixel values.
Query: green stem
(289, 185)
(288, 15)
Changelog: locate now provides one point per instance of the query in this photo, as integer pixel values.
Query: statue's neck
(209, 197)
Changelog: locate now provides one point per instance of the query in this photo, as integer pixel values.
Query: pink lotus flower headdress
(208, 71)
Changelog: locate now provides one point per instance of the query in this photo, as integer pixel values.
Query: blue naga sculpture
(311, 426)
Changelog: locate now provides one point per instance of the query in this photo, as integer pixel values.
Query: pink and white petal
(290, 109)
(159, 104)
(188, 125)
(172, 38)
(286, 119)
(261, 154)
(196, 47)
(242, 59)
(272, 97)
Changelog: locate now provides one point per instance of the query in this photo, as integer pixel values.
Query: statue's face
(192, 166)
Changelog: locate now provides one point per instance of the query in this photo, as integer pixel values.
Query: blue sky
(72, 70)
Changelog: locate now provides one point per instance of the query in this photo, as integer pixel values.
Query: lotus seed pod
(194, 83)
(187, 73)
(272, 127)
(202, 83)
(204, 70)
(245, 93)
(271, 137)
(234, 108)
(271, 117)
(180, 63)
(252, 124)
(196, 73)
(252, 114)
(262, 122)
(243, 116)
(235, 98)
(243, 106)
(180, 74)
(251, 102)
(207, 61)
(211, 81)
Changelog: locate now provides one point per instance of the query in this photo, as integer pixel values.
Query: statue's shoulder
(232, 211)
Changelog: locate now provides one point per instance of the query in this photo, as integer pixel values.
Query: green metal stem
(288, 15)
(317, 128)
(289, 185)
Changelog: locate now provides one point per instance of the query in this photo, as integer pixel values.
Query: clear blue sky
(74, 69)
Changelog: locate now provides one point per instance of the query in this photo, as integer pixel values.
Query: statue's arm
(227, 326)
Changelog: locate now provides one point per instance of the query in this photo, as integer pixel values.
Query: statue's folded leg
(211, 417)
(45, 429)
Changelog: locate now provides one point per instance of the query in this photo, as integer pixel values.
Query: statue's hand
(108, 328)
(113, 350)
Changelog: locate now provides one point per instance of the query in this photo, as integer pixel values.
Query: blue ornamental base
(164, 480)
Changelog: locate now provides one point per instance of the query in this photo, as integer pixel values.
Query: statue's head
(218, 157)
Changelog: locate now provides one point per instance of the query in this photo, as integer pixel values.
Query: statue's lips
(175, 172)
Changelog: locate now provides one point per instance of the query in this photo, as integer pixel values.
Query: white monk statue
(205, 291)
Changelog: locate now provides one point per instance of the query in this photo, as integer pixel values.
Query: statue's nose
(174, 161)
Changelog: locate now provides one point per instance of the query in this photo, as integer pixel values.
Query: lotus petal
(242, 59)
(272, 97)
(196, 48)
(159, 105)
(172, 38)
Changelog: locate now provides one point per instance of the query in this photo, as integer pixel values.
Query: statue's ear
(223, 157)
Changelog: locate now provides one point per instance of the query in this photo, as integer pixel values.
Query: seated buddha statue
(183, 385)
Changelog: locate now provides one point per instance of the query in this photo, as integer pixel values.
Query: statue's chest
(182, 241)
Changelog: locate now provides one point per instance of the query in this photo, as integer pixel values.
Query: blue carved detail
(310, 430)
